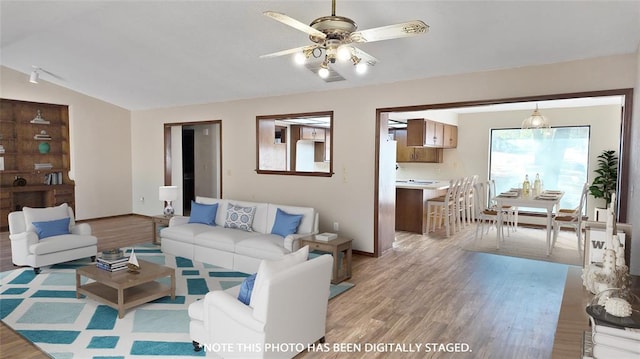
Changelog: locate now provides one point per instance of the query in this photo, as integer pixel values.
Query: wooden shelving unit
(21, 140)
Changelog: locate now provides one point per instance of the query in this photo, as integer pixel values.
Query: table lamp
(168, 194)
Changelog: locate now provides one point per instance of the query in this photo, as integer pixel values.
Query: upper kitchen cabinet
(450, 139)
(426, 133)
(406, 153)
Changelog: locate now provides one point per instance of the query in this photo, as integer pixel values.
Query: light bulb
(344, 53)
(361, 68)
(299, 58)
(323, 72)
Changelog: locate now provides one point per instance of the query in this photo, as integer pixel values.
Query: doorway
(193, 161)
(384, 207)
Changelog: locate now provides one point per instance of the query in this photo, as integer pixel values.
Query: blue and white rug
(45, 311)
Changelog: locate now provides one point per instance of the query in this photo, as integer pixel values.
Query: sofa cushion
(62, 243)
(264, 246)
(246, 288)
(45, 214)
(185, 232)
(224, 239)
(285, 223)
(306, 223)
(239, 217)
(52, 228)
(268, 269)
(203, 213)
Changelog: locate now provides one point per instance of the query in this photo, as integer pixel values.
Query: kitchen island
(411, 203)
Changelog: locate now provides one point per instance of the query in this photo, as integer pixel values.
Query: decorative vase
(44, 147)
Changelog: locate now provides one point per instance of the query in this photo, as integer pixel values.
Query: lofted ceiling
(154, 54)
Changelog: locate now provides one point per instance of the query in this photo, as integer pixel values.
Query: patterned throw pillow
(239, 217)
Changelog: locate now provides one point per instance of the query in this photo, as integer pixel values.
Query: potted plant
(604, 184)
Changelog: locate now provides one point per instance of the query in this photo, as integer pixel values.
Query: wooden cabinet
(406, 153)
(450, 136)
(427, 133)
(35, 160)
(311, 133)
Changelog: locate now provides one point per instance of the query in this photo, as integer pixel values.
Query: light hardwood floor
(425, 290)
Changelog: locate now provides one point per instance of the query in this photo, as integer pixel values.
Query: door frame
(167, 149)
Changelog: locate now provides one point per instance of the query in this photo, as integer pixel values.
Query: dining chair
(442, 209)
(485, 212)
(510, 211)
(460, 203)
(469, 200)
(571, 218)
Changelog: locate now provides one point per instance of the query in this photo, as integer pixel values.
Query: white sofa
(289, 309)
(28, 249)
(234, 248)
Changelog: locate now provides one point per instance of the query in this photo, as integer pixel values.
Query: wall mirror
(295, 144)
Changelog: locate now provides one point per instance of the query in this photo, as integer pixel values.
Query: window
(559, 155)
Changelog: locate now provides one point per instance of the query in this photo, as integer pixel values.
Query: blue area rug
(45, 311)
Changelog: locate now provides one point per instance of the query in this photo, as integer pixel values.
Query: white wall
(633, 199)
(100, 141)
(347, 197)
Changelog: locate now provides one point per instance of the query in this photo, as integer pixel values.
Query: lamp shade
(168, 193)
(535, 121)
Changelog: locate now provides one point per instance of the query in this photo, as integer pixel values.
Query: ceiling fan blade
(370, 60)
(294, 23)
(290, 51)
(405, 29)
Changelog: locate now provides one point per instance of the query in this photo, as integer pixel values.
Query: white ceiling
(152, 54)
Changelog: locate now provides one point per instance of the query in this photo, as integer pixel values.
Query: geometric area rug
(44, 309)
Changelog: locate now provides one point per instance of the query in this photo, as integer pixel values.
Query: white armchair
(28, 249)
(291, 309)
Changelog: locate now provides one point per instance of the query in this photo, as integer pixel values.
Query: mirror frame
(329, 114)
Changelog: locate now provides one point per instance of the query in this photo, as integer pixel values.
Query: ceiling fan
(334, 37)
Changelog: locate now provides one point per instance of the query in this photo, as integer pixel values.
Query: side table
(340, 245)
(159, 222)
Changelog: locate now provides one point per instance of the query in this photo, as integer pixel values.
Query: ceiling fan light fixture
(299, 58)
(344, 53)
(323, 72)
(361, 68)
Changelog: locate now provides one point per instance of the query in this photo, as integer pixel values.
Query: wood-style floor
(425, 290)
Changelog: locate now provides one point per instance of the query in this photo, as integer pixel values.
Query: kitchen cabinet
(406, 153)
(411, 208)
(427, 133)
(311, 133)
(450, 136)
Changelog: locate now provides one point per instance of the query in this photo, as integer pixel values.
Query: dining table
(547, 199)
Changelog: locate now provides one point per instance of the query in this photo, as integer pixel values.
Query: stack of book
(615, 341)
(112, 260)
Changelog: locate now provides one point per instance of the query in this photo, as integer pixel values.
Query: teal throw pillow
(246, 288)
(285, 223)
(203, 213)
(52, 228)
(240, 217)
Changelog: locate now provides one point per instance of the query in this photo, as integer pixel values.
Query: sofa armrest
(178, 220)
(24, 239)
(220, 306)
(20, 243)
(292, 241)
(83, 229)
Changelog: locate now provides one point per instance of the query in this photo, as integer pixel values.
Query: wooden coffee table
(123, 290)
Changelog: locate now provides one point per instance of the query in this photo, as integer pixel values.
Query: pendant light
(536, 121)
